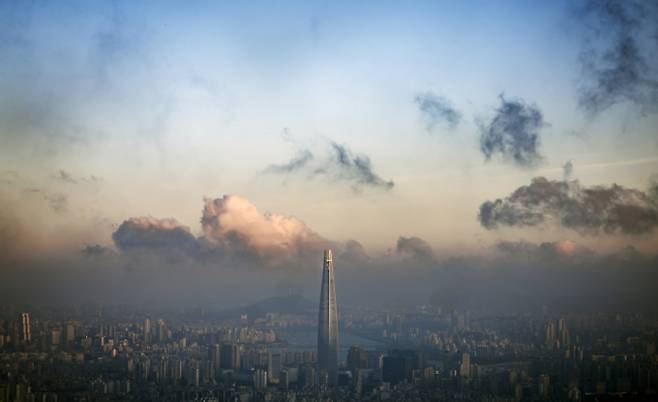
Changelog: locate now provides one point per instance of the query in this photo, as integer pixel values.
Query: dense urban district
(267, 352)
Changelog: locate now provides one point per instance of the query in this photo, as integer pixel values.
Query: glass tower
(328, 323)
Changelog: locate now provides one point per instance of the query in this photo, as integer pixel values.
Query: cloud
(546, 250)
(234, 233)
(618, 59)
(95, 250)
(234, 223)
(357, 169)
(353, 253)
(295, 164)
(437, 110)
(66, 177)
(653, 188)
(513, 133)
(58, 202)
(147, 233)
(588, 210)
(338, 163)
(567, 170)
(413, 247)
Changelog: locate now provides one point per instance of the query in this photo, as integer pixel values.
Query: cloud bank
(233, 231)
(588, 210)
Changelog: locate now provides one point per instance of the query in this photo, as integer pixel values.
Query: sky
(142, 141)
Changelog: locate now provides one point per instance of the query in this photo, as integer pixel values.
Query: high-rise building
(25, 327)
(147, 330)
(399, 365)
(551, 335)
(260, 379)
(273, 365)
(230, 356)
(328, 322)
(357, 358)
(563, 333)
(465, 366)
(70, 333)
(215, 356)
(394, 369)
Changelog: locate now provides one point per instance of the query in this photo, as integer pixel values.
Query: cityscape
(312, 201)
(415, 354)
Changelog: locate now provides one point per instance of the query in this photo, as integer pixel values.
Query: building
(25, 327)
(273, 365)
(215, 356)
(465, 366)
(147, 330)
(260, 380)
(328, 323)
(357, 358)
(398, 366)
(230, 356)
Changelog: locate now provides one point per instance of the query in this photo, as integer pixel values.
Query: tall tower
(25, 327)
(328, 322)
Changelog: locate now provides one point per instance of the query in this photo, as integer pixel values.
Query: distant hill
(295, 304)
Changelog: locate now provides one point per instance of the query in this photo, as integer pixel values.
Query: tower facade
(328, 322)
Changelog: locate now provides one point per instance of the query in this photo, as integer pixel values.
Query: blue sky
(167, 103)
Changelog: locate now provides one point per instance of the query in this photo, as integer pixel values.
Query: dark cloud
(338, 164)
(618, 57)
(295, 164)
(357, 169)
(95, 250)
(148, 233)
(567, 170)
(588, 210)
(437, 110)
(513, 133)
(413, 247)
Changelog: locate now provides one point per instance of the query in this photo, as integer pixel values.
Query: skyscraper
(25, 327)
(328, 322)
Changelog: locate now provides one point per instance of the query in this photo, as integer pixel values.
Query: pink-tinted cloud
(233, 220)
